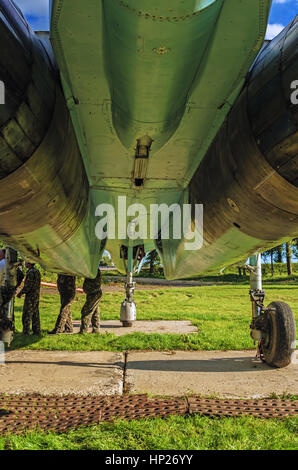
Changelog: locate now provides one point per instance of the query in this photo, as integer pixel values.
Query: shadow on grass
(20, 341)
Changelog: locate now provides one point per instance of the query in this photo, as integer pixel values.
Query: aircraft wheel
(279, 341)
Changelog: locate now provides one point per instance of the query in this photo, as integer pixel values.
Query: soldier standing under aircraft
(90, 310)
(8, 287)
(31, 290)
(67, 289)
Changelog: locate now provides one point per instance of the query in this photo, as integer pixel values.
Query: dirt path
(105, 288)
(142, 284)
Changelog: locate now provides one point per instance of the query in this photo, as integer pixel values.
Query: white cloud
(283, 2)
(273, 30)
(35, 8)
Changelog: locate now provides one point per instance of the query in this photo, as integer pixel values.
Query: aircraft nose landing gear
(128, 312)
(272, 327)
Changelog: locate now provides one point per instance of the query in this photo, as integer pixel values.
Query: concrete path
(234, 374)
(62, 373)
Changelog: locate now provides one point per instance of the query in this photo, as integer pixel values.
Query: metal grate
(20, 413)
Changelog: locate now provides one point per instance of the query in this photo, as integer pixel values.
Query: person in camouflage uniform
(8, 287)
(67, 290)
(90, 310)
(31, 290)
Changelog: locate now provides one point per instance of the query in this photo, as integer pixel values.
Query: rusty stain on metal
(162, 50)
(61, 413)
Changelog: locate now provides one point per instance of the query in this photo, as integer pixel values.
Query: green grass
(221, 313)
(173, 433)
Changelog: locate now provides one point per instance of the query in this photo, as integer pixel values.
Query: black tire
(280, 341)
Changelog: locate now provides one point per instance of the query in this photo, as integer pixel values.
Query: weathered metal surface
(44, 190)
(29, 90)
(257, 408)
(166, 69)
(273, 117)
(30, 412)
(249, 194)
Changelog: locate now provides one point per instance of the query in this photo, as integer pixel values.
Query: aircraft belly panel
(129, 70)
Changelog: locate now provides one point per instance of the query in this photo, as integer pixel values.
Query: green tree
(289, 259)
(153, 261)
(270, 254)
(294, 246)
(279, 251)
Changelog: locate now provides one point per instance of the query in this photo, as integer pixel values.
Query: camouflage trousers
(7, 302)
(90, 312)
(31, 314)
(7, 319)
(64, 320)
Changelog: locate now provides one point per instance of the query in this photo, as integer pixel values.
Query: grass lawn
(173, 433)
(221, 313)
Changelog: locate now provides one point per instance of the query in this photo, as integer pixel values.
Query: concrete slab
(62, 373)
(233, 374)
(170, 327)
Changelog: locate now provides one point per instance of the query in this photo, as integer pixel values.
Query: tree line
(287, 251)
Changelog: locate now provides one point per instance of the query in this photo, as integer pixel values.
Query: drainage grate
(257, 408)
(55, 413)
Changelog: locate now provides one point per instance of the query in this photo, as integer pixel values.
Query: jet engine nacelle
(43, 185)
(248, 180)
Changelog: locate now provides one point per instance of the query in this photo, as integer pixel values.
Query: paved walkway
(233, 374)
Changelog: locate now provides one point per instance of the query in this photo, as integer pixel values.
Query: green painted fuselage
(168, 69)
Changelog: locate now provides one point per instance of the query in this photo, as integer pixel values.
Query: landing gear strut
(128, 311)
(272, 327)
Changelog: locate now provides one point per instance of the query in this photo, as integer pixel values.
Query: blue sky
(283, 11)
